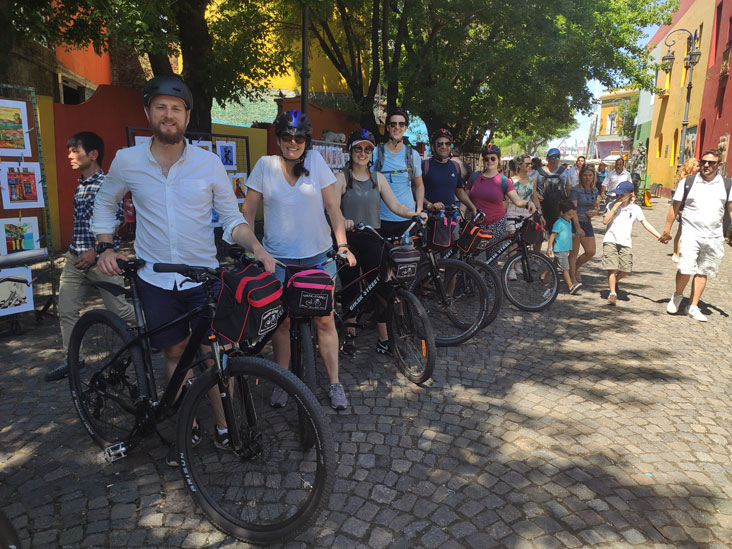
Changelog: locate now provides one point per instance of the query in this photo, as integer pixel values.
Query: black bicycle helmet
(360, 135)
(167, 85)
(490, 148)
(399, 111)
(294, 122)
(442, 132)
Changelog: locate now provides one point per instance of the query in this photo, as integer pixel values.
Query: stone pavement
(584, 425)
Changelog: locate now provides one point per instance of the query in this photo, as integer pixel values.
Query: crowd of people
(174, 187)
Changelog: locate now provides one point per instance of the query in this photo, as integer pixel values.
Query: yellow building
(668, 111)
(613, 110)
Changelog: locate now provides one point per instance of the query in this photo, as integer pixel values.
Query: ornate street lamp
(691, 59)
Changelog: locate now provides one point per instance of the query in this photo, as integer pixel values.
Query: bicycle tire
(8, 535)
(410, 336)
(104, 392)
(277, 489)
(533, 293)
(305, 370)
(455, 319)
(493, 285)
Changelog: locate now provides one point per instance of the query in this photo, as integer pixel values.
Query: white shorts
(700, 256)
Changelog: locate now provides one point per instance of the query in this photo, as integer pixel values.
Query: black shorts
(162, 306)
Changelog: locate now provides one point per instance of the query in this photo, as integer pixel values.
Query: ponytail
(300, 166)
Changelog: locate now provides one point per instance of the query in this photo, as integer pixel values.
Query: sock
(221, 431)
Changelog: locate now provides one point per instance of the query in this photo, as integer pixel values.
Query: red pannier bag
(474, 239)
(249, 304)
(308, 291)
(533, 232)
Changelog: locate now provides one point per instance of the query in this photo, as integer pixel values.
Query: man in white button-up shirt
(174, 186)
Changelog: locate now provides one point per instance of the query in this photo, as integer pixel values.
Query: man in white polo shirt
(614, 178)
(702, 242)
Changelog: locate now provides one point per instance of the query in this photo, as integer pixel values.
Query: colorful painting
(226, 151)
(15, 296)
(14, 140)
(239, 183)
(205, 145)
(20, 185)
(19, 235)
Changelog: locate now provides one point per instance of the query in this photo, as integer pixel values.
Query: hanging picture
(139, 139)
(14, 139)
(15, 296)
(205, 145)
(18, 235)
(239, 181)
(226, 150)
(20, 183)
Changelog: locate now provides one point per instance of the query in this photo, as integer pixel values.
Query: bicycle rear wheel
(457, 303)
(411, 337)
(537, 282)
(104, 379)
(493, 285)
(271, 489)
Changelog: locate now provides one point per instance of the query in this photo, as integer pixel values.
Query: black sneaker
(222, 441)
(171, 458)
(62, 371)
(349, 345)
(382, 347)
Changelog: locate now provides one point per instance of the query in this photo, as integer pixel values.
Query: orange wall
(109, 111)
(86, 63)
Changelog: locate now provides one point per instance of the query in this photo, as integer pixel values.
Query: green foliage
(519, 142)
(630, 113)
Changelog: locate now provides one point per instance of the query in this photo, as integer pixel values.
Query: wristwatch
(101, 246)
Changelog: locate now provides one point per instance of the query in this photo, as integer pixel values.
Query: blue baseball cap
(624, 187)
(553, 152)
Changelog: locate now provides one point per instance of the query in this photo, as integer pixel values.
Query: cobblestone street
(584, 425)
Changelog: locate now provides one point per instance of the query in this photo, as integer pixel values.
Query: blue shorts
(331, 268)
(162, 306)
(586, 226)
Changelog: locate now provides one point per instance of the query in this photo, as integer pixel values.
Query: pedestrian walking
(560, 243)
(573, 173)
(701, 201)
(615, 177)
(586, 198)
(617, 245)
(689, 167)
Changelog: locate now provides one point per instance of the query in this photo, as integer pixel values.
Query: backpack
(553, 190)
(471, 181)
(408, 158)
(689, 181)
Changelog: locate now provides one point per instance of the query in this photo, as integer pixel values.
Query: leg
(328, 344)
(281, 344)
(573, 253)
(590, 249)
(677, 243)
(698, 283)
(116, 304)
(71, 295)
(567, 279)
(681, 281)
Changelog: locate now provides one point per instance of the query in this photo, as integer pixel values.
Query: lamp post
(305, 70)
(691, 59)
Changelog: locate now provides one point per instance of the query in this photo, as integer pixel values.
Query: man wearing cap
(174, 186)
(616, 176)
(702, 241)
(552, 187)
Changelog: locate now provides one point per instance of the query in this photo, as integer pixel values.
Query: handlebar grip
(170, 268)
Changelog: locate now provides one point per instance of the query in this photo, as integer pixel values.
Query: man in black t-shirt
(442, 177)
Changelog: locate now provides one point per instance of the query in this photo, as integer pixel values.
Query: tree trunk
(160, 64)
(195, 46)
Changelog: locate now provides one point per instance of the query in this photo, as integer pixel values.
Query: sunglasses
(490, 159)
(526, 163)
(358, 149)
(709, 162)
(400, 124)
(288, 138)
(553, 157)
(443, 144)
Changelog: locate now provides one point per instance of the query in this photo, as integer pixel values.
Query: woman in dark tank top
(361, 192)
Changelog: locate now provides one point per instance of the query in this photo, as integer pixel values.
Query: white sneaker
(674, 258)
(673, 305)
(512, 275)
(696, 314)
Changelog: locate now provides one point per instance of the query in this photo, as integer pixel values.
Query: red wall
(109, 111)
(715, 119)
(322, 118)
(86, 63)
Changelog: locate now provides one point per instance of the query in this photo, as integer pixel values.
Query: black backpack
(689, 181)
(553, 190)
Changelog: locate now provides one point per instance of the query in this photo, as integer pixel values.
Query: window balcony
(724, 71)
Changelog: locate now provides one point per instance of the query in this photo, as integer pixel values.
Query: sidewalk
(580, 426)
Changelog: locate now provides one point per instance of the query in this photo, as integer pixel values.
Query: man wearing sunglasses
(401, 166)
(443, 183)
(702, 201)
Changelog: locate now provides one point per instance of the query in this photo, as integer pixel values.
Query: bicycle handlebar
(196, 274)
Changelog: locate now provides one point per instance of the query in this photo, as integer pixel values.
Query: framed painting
(14, 138)
(226, 151)
(15, 296)
(204, 144)
(20, 185)
(19, 235)
(239, 184)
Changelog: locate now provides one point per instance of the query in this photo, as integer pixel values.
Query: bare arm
(464, 198)
(332, 205)
(418, 191)
(520, 202)
(648, 227)
(550, 245)
(671, 215)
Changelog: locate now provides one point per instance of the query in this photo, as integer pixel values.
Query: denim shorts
(586, 226)
(331, 268)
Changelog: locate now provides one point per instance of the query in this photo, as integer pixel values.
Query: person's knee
(325, 323)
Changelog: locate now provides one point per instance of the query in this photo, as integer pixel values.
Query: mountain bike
(411, 338)
(453, 293)
(267, 484)
(529, 279)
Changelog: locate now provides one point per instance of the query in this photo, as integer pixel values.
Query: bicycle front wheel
(410, 335)
(456, 300)
(537, 282)
(303, 366)
(104, 378)
(270, 489)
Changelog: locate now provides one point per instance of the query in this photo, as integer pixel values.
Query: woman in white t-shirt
(296, 188)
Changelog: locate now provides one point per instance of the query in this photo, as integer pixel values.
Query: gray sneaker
(278, 398)
(338, 400)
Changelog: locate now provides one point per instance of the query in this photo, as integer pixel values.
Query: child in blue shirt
(560, 243)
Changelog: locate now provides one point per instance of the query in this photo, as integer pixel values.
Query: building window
(674, 149)
(659, 148)
(702, 131)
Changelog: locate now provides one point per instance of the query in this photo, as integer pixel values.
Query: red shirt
(487, 195)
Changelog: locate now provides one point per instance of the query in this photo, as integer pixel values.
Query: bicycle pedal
(115, 451)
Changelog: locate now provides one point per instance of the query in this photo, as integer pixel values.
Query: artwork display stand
(25, 218)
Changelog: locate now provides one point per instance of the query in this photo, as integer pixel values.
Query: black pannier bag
(474, 239)
(533, 232)
(249, 304)
(309, 291)
(399, 263)
(440, 230)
